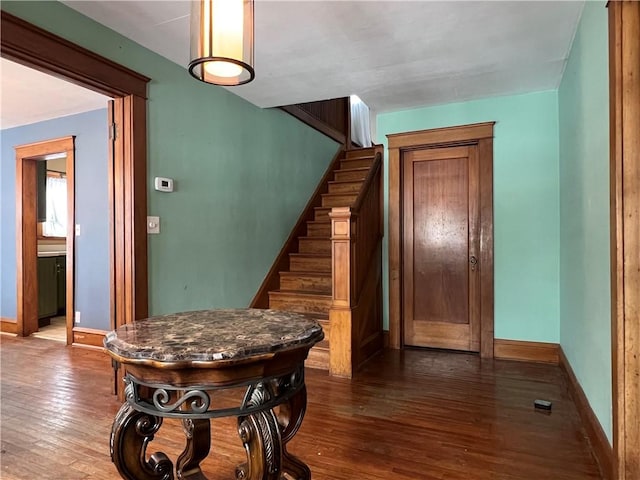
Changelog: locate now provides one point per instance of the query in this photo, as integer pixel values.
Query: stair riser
(318, 358)
(319, 229)
(351, 187)
(299, 304)
(360, 152)
(304, 283)
(341, 200)
(321, 214)
(356, 163)
(315, 245)
(310, 264)
(326, 328)
(350, 175)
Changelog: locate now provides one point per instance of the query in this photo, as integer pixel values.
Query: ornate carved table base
(196, 366)
(264, 431)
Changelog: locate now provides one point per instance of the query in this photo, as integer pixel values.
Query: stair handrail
(366, 184)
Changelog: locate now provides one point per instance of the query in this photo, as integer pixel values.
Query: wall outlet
(77, 317)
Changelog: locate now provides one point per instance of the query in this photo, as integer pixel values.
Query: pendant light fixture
(222, 41)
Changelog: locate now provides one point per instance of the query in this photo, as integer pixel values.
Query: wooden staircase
(305, 286)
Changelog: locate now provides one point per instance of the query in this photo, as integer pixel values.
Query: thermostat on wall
(164, 184)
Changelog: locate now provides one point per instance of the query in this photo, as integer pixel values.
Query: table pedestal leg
(260, 435)
(198, 433)
(290, 417)
(131, 433)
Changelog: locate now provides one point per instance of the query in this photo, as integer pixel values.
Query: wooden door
(441, 281)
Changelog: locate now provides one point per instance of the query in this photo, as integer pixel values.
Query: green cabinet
(51, 286)
(47, 287)
(61, 269)
(41, 176)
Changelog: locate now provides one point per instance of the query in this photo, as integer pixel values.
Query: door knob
(473, 261)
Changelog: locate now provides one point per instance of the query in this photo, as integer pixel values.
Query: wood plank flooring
(410, 415)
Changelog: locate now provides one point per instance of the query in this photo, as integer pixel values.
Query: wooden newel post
(340, 313)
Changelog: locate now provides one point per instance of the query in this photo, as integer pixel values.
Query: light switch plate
(153, 225)
(77, 229)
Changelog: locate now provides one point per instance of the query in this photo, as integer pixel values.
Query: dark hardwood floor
(410, 415)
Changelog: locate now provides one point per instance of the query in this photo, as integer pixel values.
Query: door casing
(480, 135)
(26, 241)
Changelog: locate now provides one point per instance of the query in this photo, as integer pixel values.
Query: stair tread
(338, 182)
(315, 238)
(300, 293)
(352, 169)
(359, 157)
(307, 274)
(312, 255)
(361, 149)
(320, 317)
(315, 222)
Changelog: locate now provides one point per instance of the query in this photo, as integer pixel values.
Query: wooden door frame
(34, 47)
(480, 134)
(26, 238)
(624, 105)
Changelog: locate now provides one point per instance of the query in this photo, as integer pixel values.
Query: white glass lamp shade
(222, 41)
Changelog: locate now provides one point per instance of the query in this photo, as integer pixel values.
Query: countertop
(59, 253)
(51, 250)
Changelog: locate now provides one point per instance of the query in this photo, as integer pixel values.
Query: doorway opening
(45, 266)
(34, 47)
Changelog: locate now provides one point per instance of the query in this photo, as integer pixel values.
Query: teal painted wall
(526, 204)
(585, 305)
(242, 174)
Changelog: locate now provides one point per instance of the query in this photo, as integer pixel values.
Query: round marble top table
(200, 365)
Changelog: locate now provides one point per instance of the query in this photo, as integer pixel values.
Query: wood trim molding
(331, 117)
(30, 45)
(538, 352)
(598, 439)
(624, 105)
(281, 263)
(26, 233)
(88, 338)
(8, 325)
(480, 134)
(462, 133)
(70, 243)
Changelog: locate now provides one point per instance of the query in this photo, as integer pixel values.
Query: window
(55, 224)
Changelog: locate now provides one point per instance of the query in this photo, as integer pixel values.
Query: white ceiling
(393, 54)
(29, 96)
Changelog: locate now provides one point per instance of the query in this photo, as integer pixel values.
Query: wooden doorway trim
(480, 134)
(34, 47)
(26, 238)
(624, 96)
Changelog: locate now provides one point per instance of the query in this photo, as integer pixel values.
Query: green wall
(583, 97)
(242, 174)
(526, 204)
